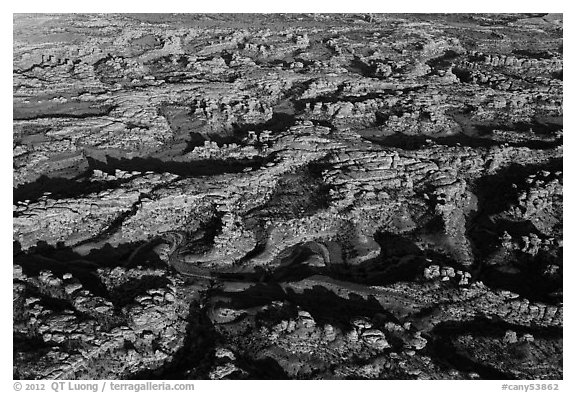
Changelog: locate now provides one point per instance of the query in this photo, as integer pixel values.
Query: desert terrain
(286, 196)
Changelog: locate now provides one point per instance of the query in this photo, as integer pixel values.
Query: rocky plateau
(286, 196)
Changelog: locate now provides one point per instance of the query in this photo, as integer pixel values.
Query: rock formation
(288, 196)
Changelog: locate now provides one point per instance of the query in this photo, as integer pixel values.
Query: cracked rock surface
(288, 196)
